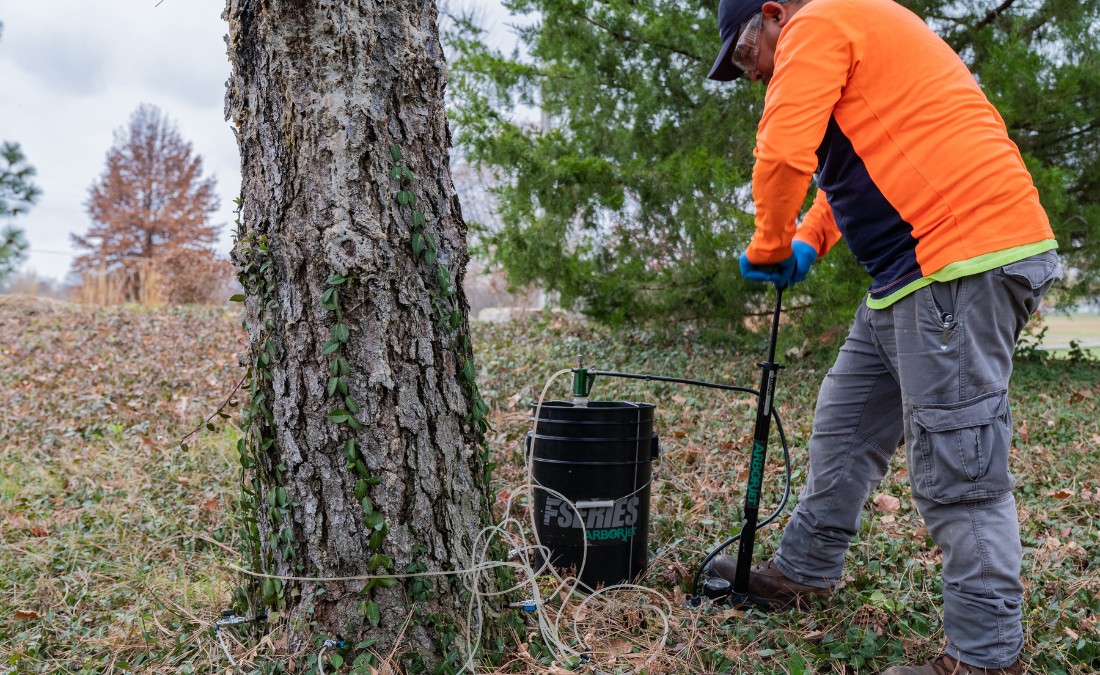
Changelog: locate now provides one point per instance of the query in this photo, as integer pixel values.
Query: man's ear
(774, 11)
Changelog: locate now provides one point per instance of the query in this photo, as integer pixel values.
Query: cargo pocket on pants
(963, 448)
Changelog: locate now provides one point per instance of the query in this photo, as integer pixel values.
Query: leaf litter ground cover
(113, 543)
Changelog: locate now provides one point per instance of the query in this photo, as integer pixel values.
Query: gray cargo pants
(932, 369)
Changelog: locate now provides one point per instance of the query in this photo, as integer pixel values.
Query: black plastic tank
(591, 472)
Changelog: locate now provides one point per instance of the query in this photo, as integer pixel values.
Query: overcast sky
(73, 71)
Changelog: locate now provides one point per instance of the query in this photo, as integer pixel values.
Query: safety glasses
(748, 44)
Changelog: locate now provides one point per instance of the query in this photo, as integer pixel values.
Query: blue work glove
(779, 273)
(782, 274)
(804, 256)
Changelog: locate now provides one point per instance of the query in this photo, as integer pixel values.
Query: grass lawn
(114, 543)
(1061, 329)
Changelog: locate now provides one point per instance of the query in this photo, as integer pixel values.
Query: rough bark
(321, 92)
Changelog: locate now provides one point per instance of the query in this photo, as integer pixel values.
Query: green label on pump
(756, 476)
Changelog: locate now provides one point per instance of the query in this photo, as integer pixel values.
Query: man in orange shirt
(915, 170)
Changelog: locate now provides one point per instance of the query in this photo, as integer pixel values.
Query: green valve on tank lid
(582, 383)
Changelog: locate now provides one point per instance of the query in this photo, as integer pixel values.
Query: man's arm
(815, 55)
(819, 228)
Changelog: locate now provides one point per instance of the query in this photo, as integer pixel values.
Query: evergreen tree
(17, 193)
(632, 197)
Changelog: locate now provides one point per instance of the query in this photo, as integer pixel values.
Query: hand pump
(770, 369)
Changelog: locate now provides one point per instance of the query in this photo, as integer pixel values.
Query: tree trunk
(352, 249)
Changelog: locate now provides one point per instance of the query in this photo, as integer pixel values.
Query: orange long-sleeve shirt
(915, 167)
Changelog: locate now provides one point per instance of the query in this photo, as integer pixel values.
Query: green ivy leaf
(395, 152)
(354, 423)
(408, 174)
(336, 660)
(387, 582)
(335, 280)
(239, 297)
(330, 347)
(365, 501)
(331, 388)
(403, 198)
(395, 173)
(374, 615)
(342, 386)
(375, 563)
(353, 407)
(339, 416)
(418, 244)
(376, 540)
(342, 367)
(360, 489)
(340, 333)
(468, 370)
(418, 219)
(333, 369)
(349, 449)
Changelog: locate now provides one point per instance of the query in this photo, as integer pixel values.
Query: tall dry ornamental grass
(140, 283)
(184, 278)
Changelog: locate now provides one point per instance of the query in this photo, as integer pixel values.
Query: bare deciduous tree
(151, 203)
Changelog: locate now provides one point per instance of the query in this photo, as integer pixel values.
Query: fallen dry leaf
(620, 647)
(1024, 435)
(814, 636)
(26, 615)
(1060, 494)
(886, 503)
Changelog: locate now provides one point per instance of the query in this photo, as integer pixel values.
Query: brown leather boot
(768, 588)
(945, 665)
